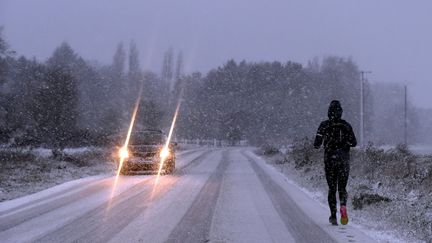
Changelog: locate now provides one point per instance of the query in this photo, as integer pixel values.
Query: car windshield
(146, 138)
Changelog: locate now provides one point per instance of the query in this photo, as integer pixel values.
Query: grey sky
(392, 38)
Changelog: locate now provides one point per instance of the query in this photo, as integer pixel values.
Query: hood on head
(335, 110)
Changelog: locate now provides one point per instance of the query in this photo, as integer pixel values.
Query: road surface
(215, 195)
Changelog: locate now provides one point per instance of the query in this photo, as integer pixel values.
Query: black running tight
(337, 172)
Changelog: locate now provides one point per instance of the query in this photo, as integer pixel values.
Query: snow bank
(404, 179)
(26, 171)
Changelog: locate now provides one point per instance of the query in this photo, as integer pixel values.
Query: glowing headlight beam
(123, 152)
(164, 153)
(166, 147)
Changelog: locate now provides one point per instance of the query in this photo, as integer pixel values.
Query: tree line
(69, 101)
(269, 102)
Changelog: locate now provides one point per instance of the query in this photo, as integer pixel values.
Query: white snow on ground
(61, 216)
(29, 175)
(320, 197)
(243, 211)
(80, 150)
(313, 208)
(38, 226)
(26, 171)
(42, 152)
(161, 217)
(46, 152)
(38, 152)
(7, 205)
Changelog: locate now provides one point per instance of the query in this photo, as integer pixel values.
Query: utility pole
(362, 106)
(406, 118)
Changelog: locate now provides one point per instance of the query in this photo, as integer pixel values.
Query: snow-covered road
(215, 195)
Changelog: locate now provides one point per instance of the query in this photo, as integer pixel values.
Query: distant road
(215, 195)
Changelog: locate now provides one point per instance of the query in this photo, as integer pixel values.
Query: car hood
(146, 148)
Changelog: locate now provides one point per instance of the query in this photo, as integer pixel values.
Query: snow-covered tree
(134, 73)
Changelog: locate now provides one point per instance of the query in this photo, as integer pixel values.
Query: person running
(338, 137)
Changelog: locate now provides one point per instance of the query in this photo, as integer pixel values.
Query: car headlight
(124, 153)
(164, 153)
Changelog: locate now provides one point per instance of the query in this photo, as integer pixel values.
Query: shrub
(16, 155)
(79, 159)
(398, 162)
(268, 149)
(303, 152)
(363, 199)
(374, 154)
(403, 149)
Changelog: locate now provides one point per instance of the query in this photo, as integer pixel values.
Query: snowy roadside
(25, 171)
(389, 205)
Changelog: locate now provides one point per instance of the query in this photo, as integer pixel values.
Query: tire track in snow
(76, 188)
(9, 219)
(53, 195)
(195, 224)
(298, 223)
(100, 225)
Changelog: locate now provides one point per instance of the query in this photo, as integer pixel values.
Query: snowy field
(25, 171)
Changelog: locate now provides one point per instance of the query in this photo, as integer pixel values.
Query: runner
(338, 137)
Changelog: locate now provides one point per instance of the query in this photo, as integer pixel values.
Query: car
(145, 152)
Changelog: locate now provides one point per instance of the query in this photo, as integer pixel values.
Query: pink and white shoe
(344, 215)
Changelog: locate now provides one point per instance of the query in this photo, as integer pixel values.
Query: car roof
(150, 131)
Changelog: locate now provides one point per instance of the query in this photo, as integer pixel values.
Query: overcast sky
(391, 38)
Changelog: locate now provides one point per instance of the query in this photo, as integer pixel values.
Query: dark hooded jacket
(335, 133)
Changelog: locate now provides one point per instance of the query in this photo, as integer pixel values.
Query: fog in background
(392, 38)
(248, 70)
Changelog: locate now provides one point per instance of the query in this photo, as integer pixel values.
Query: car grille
(146, 155)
